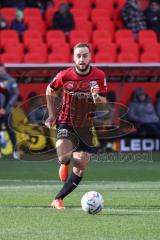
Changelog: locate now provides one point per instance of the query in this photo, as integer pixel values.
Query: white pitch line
(125, 210)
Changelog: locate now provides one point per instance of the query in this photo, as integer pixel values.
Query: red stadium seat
(100, 13)
(9, 14)
(11, 58)
(32, 12)
(107, 47)
(101, 36)
(128, 46)
(9, 36)
(108, 6)
(81, 23)
(82, 4)
(16, 48)
(105, 58)
(54, 36)
(150, 57)
(120, 4)
(79, 13)
(49, 16)
(125, 57)
(35, 25)
(149, 46)
(59, 48)
(58, 2)
(105, 4)
(77, 36)
(35, 57)
(103, 24)
(147, 35)
(37, 48)
(32, 35)
(58, 58)
(122, 34)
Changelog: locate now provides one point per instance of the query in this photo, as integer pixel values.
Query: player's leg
(81, 160)
(64, 149)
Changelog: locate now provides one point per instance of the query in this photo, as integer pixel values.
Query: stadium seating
(37, 25)
(59, 48)
(58, 58)
(123, 34)
(97, 24)
(149, 57)
(35, 57)
(79, 13)
(128, 46)
(49, 16)
(117, 13)
(105, 4)
(107, 47)
(147, 35)
(78, 36)
(11, 58)
(32, 12)
(127, 57)
(97, 14)
(16, 48)
(104, 24)
(55, 36)
(82, 23)
(58, 2)
(9, 36)
(37, 48)
(149, 46)
(9, 14)
(82, 4)
(101, 37)
(32, 35)
(105, 58)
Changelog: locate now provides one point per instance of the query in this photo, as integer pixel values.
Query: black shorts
(82, 138)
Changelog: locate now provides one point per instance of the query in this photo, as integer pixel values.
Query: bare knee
(63, 159)
(81, 161)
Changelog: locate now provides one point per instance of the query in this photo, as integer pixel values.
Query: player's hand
(95, 90)
(50, 121)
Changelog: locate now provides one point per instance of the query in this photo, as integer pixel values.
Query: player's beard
(83, 69)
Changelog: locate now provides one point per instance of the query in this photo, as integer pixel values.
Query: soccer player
(81, 87)
(8, 97)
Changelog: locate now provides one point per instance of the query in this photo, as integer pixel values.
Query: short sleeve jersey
(76, 95)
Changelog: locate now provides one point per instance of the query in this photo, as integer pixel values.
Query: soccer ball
(92, 202)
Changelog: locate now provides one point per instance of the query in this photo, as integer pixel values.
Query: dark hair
(81, 45)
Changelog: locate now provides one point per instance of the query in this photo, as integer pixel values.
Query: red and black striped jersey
(76, 97)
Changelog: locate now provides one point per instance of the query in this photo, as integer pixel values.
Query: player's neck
(83, 72)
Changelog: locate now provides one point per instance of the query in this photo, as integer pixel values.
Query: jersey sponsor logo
(62, 133)
(78, 85)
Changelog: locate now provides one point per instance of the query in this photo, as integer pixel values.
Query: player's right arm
(50, 105)
(55, 85)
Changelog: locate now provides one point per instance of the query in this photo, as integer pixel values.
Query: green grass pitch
(131, 191)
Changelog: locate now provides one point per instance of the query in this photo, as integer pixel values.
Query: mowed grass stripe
(108, 210)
